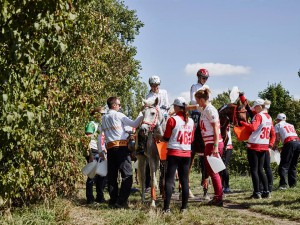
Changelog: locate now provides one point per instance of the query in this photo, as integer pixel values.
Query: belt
(113, 144)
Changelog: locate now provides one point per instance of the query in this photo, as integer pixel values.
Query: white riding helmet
(154, 80)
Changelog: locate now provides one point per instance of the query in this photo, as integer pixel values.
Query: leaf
(5, 97)
(9, 118)
(30, 115)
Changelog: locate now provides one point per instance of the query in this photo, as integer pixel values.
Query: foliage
(58, 59)
(282, 102)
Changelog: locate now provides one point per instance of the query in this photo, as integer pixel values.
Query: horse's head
(153, 118)
(231, 114)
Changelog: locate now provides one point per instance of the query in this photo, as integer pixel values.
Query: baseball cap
(180, 101)
(258, 101)
(281, 116)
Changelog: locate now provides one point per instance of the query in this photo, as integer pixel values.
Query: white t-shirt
(286, 131)
(182, 135)
(163, 100)
(208, 116)
(194, 89)
(261, 135)
(114, 123)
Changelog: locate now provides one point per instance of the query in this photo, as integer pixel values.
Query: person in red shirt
(179, 135)
(258, 145)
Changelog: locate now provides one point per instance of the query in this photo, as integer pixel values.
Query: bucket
(90, 169)
(101, 169)
(216, 163)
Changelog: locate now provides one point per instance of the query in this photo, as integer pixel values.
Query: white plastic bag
(274, 156)
(102, 168)
(215, 163)
(234, 94)
(136, 164)
(90, 169)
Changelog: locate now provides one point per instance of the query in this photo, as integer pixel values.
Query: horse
(231, 114)
(153, 123)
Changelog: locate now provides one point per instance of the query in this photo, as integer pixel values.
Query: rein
(234, 118)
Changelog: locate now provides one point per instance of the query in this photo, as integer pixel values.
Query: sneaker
(191, 194)
(166, 211)
(256, 196)
(226, 190)
(121, 206)
(100, 200)
(282, 188)
(216, 202)
(205, 194)
(266, 195)
(183, 210)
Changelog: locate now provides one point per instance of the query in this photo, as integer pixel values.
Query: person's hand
(215, 151)
(205, 183)
(102, 154)
(91, 158)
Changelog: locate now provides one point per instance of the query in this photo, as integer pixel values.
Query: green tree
(282, 102)
(58, 59)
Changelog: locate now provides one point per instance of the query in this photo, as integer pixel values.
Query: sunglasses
(204, 78)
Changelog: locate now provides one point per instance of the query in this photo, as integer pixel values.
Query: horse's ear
(144, 101)
(156, 101)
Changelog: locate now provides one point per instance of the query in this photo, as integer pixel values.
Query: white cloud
(217, 69)
(185, 95)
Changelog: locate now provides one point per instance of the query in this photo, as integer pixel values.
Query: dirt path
(243, 210)
(80, 213)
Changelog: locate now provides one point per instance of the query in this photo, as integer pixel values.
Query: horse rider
(286, 133)
(198, 144)
(118, 154)
(163, 100)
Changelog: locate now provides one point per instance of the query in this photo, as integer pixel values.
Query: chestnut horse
(231, 114)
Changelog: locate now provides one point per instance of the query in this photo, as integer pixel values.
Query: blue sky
(244, 43)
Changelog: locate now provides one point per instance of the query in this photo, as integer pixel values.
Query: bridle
(152, 124)
(235, 119)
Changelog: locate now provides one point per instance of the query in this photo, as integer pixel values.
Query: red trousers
(215, 177)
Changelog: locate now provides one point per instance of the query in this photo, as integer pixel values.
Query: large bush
(58, 59)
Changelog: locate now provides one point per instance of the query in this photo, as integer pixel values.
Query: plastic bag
(234, 94)
(216, 163)
(275, 156)
(90, 169)
(101, 169)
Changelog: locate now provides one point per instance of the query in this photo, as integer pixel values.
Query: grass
(239, 209)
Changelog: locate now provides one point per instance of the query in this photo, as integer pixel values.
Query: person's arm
(254, 124)
(216, 137)
(132, 123)
(272, 137)
(191, 107)
(277, 141)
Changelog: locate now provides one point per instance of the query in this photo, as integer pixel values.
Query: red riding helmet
(203, 73)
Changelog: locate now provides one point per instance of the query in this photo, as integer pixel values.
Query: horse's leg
(154, 163)
(141, 174)
(191, 195)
